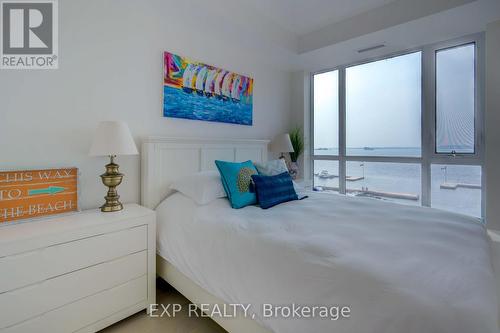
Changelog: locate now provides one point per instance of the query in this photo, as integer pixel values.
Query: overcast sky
(383, 104)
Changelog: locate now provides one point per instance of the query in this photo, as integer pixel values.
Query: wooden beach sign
(35, 193)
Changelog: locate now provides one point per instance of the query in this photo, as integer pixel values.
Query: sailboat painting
(193, 90)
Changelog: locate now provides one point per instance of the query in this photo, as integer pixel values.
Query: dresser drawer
(31, 301)
(86, 311)
(31, 267)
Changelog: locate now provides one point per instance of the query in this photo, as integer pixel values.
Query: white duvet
(399, 268)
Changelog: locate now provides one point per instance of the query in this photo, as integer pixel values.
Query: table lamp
(111, 139)
(281, 144)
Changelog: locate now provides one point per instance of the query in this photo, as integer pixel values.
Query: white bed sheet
(399, 268)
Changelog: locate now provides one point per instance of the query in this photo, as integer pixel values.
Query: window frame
(340, 83)
(478, 104)
(429, 155)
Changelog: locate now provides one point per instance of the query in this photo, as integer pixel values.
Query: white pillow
(203, 187)
(272, 168)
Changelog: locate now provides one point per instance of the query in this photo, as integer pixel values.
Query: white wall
(111, 68)
(492, 124)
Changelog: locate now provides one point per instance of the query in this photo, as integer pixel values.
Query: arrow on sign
(48, 190)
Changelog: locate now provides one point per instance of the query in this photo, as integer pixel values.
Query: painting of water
(193, 90)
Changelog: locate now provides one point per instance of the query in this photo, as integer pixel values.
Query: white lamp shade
(281, 144)
(113, 138)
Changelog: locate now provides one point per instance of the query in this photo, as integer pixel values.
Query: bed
(398, 268)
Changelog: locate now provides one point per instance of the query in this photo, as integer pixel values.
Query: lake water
(405, 178)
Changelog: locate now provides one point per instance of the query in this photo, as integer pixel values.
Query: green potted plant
(298, 148)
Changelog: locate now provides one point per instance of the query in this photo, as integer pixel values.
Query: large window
(455, 88)
(326, 175)
(457, 188)
(406, 128)
(383, 108)
(326, 113)
(398, 182)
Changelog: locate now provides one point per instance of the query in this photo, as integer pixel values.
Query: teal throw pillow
(237, 181)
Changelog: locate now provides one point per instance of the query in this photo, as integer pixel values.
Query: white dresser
(77, 273)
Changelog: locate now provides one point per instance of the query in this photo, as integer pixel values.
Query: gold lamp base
(112, 178)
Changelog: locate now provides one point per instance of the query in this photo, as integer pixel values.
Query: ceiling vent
(371, 48)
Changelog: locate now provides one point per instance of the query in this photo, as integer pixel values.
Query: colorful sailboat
(200, 80)
(210, 82)
(196, 72)
(187, 78)
(236, 88)
(173, 70)
(226, 86)
(243, 88)
(218, 83)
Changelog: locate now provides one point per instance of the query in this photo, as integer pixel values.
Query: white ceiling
(304, 16)
(317, 34)
(445, 25)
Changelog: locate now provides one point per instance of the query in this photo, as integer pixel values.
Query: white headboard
(165, 159)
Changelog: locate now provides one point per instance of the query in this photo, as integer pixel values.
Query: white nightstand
(77, 273)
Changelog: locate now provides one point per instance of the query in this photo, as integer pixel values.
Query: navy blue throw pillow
(273, 190)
